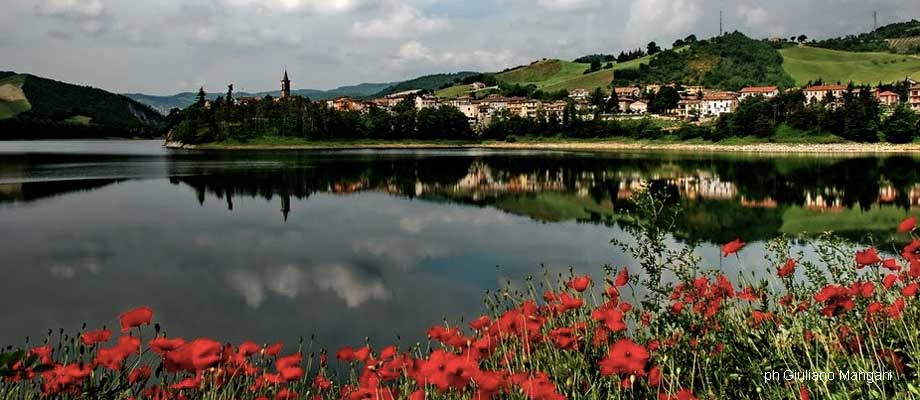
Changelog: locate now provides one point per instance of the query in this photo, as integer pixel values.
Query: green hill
(34, 107)
(810, 63)
(729, 62)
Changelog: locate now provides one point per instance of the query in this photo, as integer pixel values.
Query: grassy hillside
(727, 62)
(34, 107)
(809, 63)
(427, 82)
(12, 100)
(556, 74)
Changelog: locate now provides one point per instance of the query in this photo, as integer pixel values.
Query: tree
(901, 126)
(613, 102)
(230, 94)
(597, 100)
(202, 97)
(652, 48)
(665, 100)
(802, 38)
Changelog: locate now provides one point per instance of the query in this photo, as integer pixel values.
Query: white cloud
(568, 5)
(73, 9)
(413, 51)
(400, 21)
(327, 7)
(651, 20)
(290, 281)
(754, 16)
(348, 286)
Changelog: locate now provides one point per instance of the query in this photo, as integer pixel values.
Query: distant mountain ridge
(164, 104)
(33, 107)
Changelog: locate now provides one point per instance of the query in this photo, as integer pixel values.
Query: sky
(170, 46)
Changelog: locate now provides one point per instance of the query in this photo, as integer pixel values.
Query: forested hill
(901, 37)
(32, 107)
(728, 62)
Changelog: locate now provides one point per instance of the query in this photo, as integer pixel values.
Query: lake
(348, 244)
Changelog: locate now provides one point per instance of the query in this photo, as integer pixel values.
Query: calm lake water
(348, 244)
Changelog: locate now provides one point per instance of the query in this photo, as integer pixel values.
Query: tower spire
(285, 85)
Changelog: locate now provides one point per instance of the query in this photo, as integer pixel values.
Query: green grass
(632, 64)
(554, 207)
(453, 91)
(875, 219)
(809, 63)
(9, 109)
(555, 74)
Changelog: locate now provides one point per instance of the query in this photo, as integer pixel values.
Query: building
(628, 91)
(818, 94)
(689, 108)
(764, 91)
(285, 86)
(624, 102)
(346, 104)
(638, 107)
(715, 104)
(426, 101)
(477, 86)
(914, 98)
(579, 94)
(888, 98)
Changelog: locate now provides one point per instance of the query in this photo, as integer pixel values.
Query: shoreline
(599, 146)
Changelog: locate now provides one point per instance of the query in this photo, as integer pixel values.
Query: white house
(817, 94)
(764, 91)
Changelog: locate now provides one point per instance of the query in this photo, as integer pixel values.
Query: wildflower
(135, 317)
(683, 394)
(867, 257)
(162, 345)
(732, 247)
(622, 277)
(891, 265)
(140, 374)
(787, 269)
(895, 309)
(677, 307)
(907, 225)
(579, 284)
(625, 357)
(274, 349)
(910, 290)
(248, 348)
(346, 354)
(654, 376)
(480, 323)
(194, 356)
(836, 298)
(889, 280)
(610, 317)
(803, 393)
(321, 383)
(564, 338)
(93, 338)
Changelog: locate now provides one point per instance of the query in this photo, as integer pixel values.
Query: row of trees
(857, 116)
(301, 118)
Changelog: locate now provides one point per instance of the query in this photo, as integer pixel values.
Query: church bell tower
(285, 86)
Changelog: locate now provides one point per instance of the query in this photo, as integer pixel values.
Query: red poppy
(732, 247)
(135, 318)
(417, 395)
(907, 225)
(274, 349)
(837, 299)
(867, 257)
(194, 356)
(92, 338)
(654, 376)
(683, 394)
(480, 323)
(363, 353)
(249, 348)
(787, 269)
(625, 357)
(891, 265)
(610, 317)
(803, 393)
(346, 354)
(622, 277)
(910, 290)
(580, 283)
(162, 345)
(140, 374)
(896, 308)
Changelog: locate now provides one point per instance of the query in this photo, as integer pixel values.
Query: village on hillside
(695, 104)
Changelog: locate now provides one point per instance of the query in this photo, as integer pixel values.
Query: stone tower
(285, 86)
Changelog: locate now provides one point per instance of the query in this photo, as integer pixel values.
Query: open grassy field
(9, 109)
(12, 100)
(453, 91)
(809, 63)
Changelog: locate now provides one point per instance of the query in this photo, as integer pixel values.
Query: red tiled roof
(719, 96)
(759, 89)
(888, 94)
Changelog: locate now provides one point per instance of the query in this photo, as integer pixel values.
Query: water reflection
(346, 244)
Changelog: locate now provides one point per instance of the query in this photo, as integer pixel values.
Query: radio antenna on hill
(874, 21)
(720, 23)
